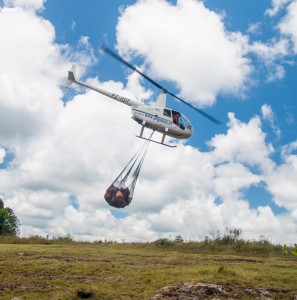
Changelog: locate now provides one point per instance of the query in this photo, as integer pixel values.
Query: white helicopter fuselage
(154, 118)
(157, 118)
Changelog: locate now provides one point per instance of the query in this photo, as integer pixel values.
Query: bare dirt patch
(23, 287)
(201, 291)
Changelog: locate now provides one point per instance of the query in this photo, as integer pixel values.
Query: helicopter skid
(141, 137)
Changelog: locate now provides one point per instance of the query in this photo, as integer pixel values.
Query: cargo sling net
(120, 193)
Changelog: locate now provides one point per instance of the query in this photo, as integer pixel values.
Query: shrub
(163, 242)
(293, 251)
(229, 237)
(63, 238)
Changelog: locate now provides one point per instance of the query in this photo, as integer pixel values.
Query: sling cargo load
(121, 191)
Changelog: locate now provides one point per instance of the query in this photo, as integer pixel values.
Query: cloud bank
(74, 150)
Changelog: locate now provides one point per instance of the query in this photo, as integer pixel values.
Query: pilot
(175, 118)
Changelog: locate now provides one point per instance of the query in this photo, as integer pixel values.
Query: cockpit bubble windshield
(186, 122)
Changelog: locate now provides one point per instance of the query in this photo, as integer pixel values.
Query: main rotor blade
(114, 55)
(209, 117)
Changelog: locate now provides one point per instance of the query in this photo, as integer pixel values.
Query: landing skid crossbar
(141, 137)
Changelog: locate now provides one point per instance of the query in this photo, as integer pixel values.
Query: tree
(9, 223)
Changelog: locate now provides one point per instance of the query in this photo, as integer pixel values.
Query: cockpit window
(167, 112)
(187, 123)
(178, 118)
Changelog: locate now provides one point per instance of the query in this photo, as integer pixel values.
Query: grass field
(63, 269)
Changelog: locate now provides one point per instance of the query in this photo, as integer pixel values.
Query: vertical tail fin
(71, 77)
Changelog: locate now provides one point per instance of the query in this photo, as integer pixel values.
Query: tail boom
(71, 78)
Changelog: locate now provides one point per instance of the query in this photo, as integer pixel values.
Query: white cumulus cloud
(288, 25)
(277, 5)
(188, 44)
(269, 116)
(244, 143)
(27, 4)
(282, 181)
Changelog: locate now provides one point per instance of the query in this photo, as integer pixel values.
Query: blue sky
(98, 21)
(234, 59)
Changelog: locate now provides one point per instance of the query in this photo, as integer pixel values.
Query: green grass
(60, 268)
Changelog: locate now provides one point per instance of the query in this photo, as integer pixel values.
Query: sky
(60, 150)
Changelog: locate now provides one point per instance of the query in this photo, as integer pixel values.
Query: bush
(63, 238)
(164, 242)
(229, 237)
(287, 249)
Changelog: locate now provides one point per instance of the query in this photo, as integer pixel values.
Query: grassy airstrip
(60, 268)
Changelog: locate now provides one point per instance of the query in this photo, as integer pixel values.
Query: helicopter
(158, 117)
